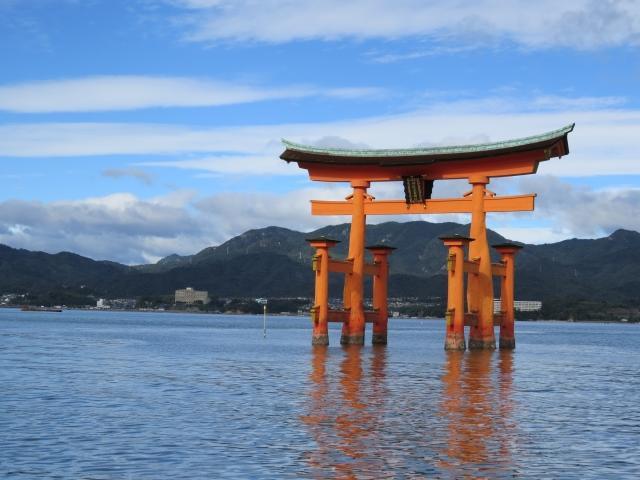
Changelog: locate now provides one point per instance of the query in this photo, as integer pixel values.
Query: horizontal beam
(471, 266)
(346, 266)
(340, 266)
(498, 270)
(514, 203)
(372, 269)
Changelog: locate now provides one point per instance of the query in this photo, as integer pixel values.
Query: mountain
(605, 269)
(275, 262)
(23, 270)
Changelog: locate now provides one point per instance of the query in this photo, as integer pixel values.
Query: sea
(142, 395)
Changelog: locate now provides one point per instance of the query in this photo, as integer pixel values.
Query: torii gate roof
(510, 157)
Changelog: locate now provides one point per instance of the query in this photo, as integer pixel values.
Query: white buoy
(264, 322)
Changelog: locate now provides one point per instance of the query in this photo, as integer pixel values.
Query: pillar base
(507, 343)
(352, 340)
(320, 340)
(379, 339)
(482, 344)
(454, 342)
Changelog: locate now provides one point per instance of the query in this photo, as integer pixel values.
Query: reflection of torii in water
(476, 406)
(344, 416)
(418, 168)
(363, 427)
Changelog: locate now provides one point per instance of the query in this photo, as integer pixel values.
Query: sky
(131, 130)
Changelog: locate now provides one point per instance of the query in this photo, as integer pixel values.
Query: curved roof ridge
(453, 149)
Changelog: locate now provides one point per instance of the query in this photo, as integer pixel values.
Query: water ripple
(146, 396)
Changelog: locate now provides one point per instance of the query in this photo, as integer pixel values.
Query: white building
(190, 296)
(519, 305)
(101, 303)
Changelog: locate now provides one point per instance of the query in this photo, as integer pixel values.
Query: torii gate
(418, 168)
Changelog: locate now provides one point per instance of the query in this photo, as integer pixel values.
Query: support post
(381, 292)
(454, 339)
(353, 329)
(508, 252)
(480, 288)
(320, 309)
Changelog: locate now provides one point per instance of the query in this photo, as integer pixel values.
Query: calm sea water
(107, 395)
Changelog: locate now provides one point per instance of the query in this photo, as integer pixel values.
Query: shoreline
(280, 314)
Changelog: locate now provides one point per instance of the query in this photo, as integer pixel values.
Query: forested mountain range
(275, 262)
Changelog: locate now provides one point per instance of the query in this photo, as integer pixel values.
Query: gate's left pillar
(380, 292)
(454, 336)
(320, 309)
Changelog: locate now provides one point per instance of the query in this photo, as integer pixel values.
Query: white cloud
(128, 92)
(604, 141)
(126, 228)
(582, 24)
(584, 211)
(88, 139)
(117, 227)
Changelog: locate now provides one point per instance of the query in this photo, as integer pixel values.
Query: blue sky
(130, 130)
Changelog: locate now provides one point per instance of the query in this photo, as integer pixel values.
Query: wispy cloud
(559, 102)
(435, 50)
(138, 174)
(130, 92)
(581, 24)
(264, 164)
(604, 141)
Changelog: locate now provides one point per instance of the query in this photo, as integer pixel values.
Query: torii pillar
(320, 309)
(480, 289)
(454, 337)
(353, 328)
(380, 292)
(507, 294)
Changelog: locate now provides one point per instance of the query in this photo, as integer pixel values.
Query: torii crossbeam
(418, 168)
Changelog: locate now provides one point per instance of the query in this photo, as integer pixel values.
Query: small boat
(41, 308)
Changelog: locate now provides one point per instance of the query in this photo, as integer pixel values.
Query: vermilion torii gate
(418, 168)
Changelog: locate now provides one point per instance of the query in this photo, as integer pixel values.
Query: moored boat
(41, 308)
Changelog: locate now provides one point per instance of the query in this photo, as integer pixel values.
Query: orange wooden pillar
(353, 329)
(320, 309)
(380, 292)
(454, 339)
(480, 288)
(508, 252)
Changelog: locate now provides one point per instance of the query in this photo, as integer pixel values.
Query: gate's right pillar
(480, 288)
(508, 252)
(380, 292)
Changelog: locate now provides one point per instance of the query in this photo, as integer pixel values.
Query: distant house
(519, 305)
(190, 296)
(116, 303)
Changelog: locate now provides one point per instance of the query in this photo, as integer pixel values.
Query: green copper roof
(407, 152)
